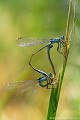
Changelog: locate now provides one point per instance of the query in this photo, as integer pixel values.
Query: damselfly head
(62, 37)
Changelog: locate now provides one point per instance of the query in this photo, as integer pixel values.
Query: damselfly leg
(60, 44)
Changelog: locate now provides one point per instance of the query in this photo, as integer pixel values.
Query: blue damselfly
(46, 79)
(24, 42)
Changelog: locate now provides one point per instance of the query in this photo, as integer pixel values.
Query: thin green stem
(55, 93)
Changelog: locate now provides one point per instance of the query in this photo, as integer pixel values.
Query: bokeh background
(36, 19)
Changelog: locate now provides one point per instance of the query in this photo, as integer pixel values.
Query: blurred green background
(36, 19)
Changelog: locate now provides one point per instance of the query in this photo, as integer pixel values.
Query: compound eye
(62, 37)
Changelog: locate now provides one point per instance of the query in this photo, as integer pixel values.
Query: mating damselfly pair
(46, 79)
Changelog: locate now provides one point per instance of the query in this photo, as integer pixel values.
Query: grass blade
(55, 93)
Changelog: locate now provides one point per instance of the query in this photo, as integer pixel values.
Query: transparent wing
(25, 89)
(25, 42)
(21, 86)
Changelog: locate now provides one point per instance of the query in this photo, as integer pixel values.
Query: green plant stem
(55, 93)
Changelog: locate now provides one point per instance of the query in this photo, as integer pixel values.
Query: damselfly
(46, 79)
(23, 42)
